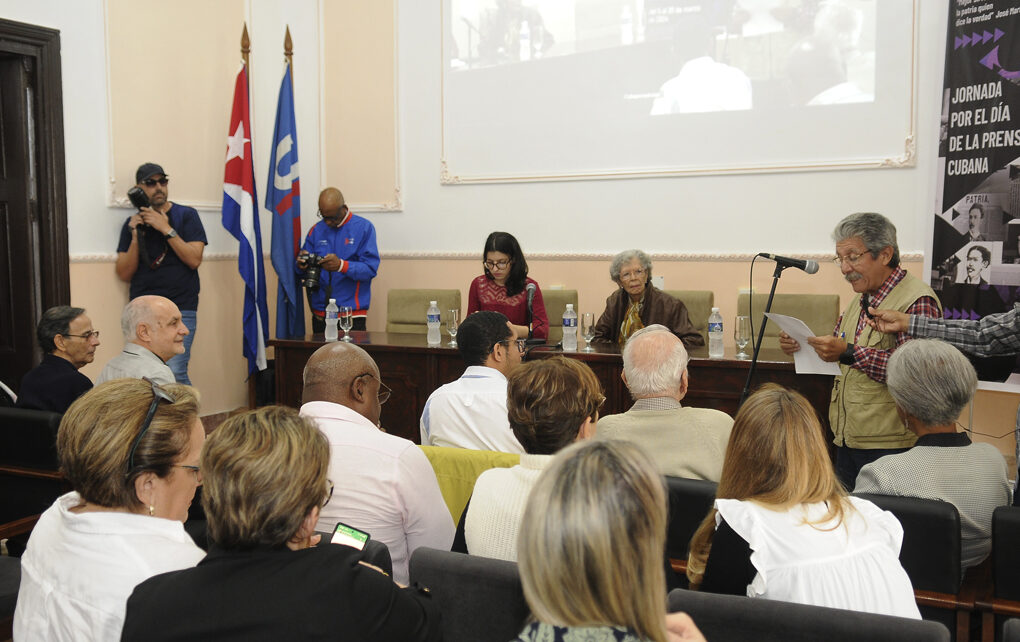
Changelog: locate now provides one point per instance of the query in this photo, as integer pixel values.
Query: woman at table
(783, 527)
(504, 287)
(265, 577)
(638, 303)
(130, 449)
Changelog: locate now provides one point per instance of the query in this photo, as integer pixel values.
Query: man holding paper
(862, 414)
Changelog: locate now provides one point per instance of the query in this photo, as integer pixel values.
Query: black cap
(146, 170)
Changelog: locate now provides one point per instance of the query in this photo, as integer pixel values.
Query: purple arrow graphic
(998, 34)
(966, 40)
(986, 37)
(992, 61)
(958, 42)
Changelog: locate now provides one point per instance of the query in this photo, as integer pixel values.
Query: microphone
(807, 265)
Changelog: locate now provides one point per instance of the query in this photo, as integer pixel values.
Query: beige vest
(862, 413)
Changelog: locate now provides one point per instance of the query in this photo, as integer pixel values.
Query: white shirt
(497, 506)
(79, 569)
(704, 85)
(470, 413)
(382, 484)
(135, 362)
(854, 566)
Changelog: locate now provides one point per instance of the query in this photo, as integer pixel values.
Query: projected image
(680, 56)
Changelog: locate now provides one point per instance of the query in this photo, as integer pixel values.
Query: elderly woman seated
(129, 448)
(931, 383)
(264, 475)
(638, 303)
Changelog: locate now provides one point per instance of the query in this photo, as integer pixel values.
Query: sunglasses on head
(151, 182)
(158, 395)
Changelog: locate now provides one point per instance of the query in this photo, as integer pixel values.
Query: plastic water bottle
(525, 40)
(432, 318)
(715, 335)
(569, 329)
(332, 312)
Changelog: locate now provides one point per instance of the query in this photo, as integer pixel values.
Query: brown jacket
(658, 307)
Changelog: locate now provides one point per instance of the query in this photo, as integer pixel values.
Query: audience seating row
(482, 600)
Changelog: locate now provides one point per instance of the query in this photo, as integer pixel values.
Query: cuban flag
(283, 199)
(241, 219)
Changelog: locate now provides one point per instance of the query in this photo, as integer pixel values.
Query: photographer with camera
(159, 252)
(338, 261)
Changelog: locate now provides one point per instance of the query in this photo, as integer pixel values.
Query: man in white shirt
(382, 484)
(154, 333)
(471, 411)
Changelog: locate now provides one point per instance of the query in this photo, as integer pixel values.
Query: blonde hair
(592, 538)
(96, 434)
(548, 400)
(262, 472)
(776, 456)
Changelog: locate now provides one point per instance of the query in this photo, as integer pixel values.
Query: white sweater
(497, 506)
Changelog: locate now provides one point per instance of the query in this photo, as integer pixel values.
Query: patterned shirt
(992, 335)
(542, 632)
(873, 361)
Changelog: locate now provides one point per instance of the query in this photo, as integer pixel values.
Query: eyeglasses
(384, 390)
(636, 274)
(340, 213)
(88, 335)
(852, 259)
(194, 469)
(502, 265)
(521, 344)
(158, 394)
(152, 182)
(329, 495)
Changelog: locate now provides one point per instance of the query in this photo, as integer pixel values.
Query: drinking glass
(588, 330)
(742, 335)
(452, 321)
(346, 321)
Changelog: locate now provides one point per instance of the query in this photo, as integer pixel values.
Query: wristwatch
(171, 234)
(847, 358)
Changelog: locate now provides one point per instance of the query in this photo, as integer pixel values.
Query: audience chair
(555, 305)
(457, 469)
(1005, 599)
(30, 479)
(818, 311)
(1011, 630)
(931, 556)
(699, 305)
(405, 309)
(689, 502)
(480, 599)
(10, 574)
(726, 618)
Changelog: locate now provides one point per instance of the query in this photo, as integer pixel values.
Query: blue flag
(241, 218)
(283, 199)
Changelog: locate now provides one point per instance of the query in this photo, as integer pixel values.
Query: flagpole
(288, 53)
(245, 45)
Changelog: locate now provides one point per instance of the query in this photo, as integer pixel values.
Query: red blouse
(484, 294)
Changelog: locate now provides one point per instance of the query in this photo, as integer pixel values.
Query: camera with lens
(139, 200)
(313, 269)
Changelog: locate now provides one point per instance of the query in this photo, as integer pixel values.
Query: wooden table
(413, 370)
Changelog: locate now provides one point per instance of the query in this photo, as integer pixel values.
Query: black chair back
(931, 540)
(28, 438)
(1011, 630)
(689, 502)
(1006, 552)
(725, 618)
(480, 599)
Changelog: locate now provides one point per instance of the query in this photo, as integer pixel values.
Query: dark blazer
(317, 593)
(658, 307)
(52, 385)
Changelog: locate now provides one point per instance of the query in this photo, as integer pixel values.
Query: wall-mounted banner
(976, 241)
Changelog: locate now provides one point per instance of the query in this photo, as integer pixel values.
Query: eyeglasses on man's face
(87, 336)
(152, 182)
(497, 265)
(521, 344)
(339, 215)
(850, 259)
(384, 390)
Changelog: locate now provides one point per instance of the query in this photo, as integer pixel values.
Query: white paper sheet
(805, 360)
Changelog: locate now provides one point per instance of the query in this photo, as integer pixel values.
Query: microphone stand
(761, 331)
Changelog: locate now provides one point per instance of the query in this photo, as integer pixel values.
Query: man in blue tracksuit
(350, 260)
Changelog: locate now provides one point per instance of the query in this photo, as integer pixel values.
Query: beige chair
(555, 304)
(818, 311)
(699, 305)
(405, 309)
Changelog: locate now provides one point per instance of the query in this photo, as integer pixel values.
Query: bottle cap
(332, 300)
(715, 309)
(570, 306)
(432, 302)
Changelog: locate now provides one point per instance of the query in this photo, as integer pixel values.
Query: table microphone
(807, 265)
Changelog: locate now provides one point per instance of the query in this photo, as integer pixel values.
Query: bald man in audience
(683, 442)
(382, 484)
(154, 333)
(66, 337)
